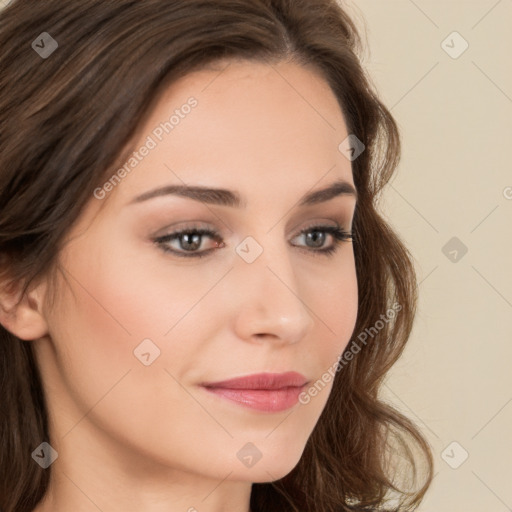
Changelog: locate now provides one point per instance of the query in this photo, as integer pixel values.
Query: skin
(132, 437)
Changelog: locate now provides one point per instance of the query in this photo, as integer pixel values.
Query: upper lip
(261, 381)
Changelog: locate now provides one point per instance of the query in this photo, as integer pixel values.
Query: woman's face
(137, 329)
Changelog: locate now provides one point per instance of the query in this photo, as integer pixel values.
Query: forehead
(252, 126)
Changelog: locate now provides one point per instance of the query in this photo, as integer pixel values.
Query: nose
(269, 302)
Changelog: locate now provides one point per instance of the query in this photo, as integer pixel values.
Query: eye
(316, 236)
(190, 240)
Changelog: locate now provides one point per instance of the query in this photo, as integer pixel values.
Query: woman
(199, 298)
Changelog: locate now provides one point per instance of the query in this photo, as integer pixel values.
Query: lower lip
(261, 399)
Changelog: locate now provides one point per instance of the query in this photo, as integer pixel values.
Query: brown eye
(190, 240)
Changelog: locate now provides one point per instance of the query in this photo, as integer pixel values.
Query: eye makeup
(192, 236)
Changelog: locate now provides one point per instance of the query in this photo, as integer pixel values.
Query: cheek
(128, 292)
(117, 298)
(335, 308)
(111, 307)
(93, 341)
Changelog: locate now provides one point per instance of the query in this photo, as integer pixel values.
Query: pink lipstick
(269, 392)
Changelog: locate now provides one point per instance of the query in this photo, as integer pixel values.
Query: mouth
(267, 392)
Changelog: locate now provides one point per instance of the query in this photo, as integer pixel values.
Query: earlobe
(24, 318)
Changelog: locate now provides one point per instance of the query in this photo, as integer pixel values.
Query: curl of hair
(64, 124)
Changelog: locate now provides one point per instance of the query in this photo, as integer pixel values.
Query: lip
(265, 381)
(270, 392)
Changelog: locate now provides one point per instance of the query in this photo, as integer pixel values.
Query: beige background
(455, 117)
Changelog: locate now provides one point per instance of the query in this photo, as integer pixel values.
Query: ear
(25, 318)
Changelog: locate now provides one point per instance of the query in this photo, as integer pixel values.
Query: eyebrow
(223, 197)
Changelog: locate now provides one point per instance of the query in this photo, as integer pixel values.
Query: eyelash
(337, 233)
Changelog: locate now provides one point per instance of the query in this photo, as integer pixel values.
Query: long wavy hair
(64, 123)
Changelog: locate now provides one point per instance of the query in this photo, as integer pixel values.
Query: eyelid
(184, 225)
(205, 225)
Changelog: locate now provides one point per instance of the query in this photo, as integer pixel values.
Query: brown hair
(64, 121)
